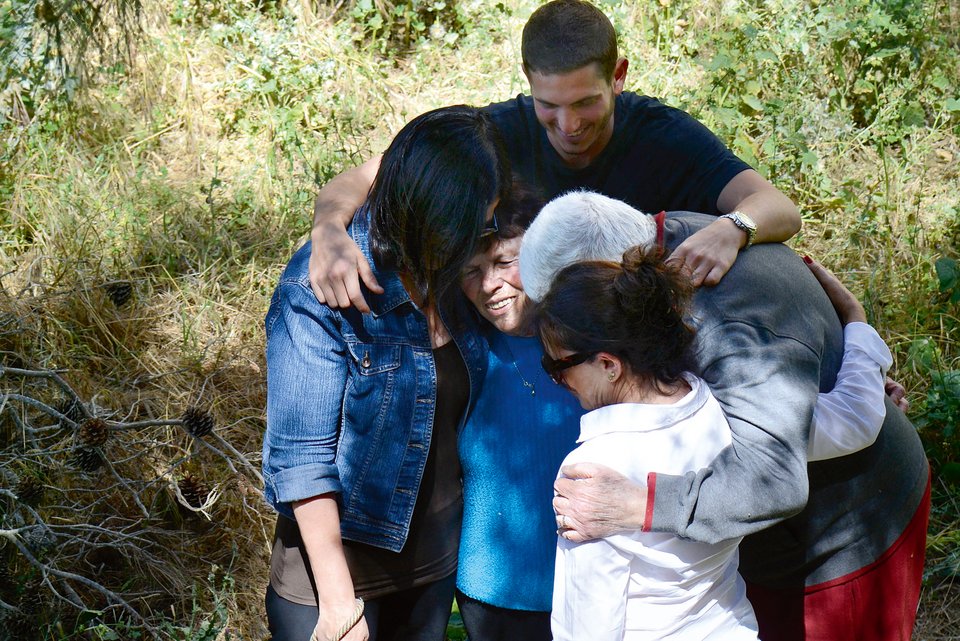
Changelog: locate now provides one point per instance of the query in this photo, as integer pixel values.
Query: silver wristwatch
(744, 222)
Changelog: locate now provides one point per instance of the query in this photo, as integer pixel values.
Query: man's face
(576, 109)
(491, 280)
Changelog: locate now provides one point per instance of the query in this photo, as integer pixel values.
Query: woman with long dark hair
(359, 454)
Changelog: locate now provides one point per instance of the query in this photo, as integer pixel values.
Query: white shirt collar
(643, 417)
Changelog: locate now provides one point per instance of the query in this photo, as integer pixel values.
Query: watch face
(743, 222)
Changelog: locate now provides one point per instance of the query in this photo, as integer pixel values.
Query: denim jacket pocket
(374, 358)
(378, 427)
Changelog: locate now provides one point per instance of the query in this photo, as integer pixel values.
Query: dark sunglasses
(555, 366)
(491, 227)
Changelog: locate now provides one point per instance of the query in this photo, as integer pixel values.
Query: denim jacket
(351, 399)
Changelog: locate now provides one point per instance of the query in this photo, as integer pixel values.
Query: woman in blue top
(510, 447)
(359, 455)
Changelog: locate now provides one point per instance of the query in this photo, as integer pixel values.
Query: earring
(611, 376)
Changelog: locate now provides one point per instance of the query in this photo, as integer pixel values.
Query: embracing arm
(711, 252)
(849, 417)
(336, 263)
(767, 385)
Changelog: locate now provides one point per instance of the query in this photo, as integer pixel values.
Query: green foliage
(783, 75)
(47, 46)
(938, 416)
(948, 273)
(395, 26)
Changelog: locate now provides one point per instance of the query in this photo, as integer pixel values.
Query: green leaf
(948, 273)
(767, 55)
(952, 104)
(941, 82)
(864, 86)
(752, 101)
(924, 353)
(912, 115)
(950, 473)
(719, 61)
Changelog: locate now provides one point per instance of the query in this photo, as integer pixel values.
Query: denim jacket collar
(394, 294)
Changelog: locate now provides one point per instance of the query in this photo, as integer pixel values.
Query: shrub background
(157, 167)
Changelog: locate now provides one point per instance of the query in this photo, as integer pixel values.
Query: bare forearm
(776, 216)
(337, 201)
(319, 523)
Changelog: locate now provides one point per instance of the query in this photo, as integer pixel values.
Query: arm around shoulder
(336, 263)
(711, 252)
(776, 216)
(768, 397)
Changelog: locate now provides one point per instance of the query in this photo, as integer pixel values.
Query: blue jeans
(416, 614)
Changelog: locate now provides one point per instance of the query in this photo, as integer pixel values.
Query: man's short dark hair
(566, 35)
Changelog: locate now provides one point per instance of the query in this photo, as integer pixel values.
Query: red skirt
(875, 603)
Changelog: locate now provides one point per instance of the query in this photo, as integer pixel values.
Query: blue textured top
(510, 450)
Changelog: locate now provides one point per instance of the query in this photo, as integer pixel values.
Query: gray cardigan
(768, 341)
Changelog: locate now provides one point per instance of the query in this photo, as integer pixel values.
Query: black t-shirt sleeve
(672, 160)
(705, 164)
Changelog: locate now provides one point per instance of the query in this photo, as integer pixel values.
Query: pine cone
(193, 489)
(29, 490)
(119, 292)
(72, 409)
(197, 422)
(86, 459)
(93, 433)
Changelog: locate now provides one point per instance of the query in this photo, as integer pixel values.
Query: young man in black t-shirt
(579, 129)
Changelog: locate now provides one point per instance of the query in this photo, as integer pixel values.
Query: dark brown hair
(565, 35)
(634, 310)
(429, 200)
(514, 214)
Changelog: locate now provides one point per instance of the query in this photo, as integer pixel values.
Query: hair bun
(649, 289)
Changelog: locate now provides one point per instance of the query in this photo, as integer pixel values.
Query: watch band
(744, 222)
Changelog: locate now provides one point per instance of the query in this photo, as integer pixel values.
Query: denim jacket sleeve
(306, 377)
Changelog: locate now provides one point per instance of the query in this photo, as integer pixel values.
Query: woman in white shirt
(615, 336)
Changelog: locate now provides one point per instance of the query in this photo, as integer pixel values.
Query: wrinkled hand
(593, 501)
(897, 394)
(710, 253)
(848, 307)
(336, 267)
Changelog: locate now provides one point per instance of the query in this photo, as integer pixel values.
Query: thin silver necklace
(530, 386)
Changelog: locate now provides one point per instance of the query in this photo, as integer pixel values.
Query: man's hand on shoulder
(336, 268)
(336, 263)
(709, 254)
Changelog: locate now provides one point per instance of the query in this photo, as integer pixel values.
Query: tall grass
(183, 174)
